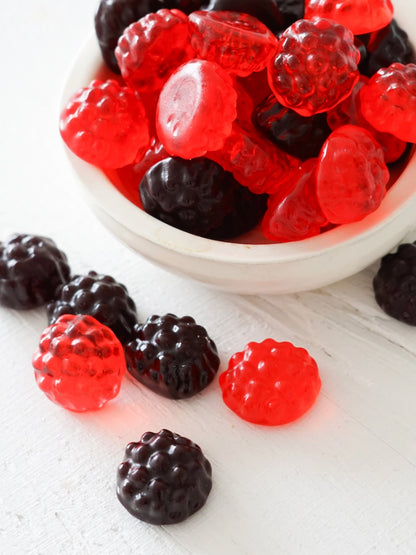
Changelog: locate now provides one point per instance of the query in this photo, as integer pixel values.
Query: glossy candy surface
(270, 383)
(314, 66)
(79, 363)
(351, 175)
(105, 124)
(164, 478)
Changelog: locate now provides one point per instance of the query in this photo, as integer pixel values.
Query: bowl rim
(99, 189)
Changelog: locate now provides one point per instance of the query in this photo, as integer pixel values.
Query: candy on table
(314, 66)
(97, 295)
(31, 268)
(105, 124)
(150, 49)
(295, 215)
(299, 136)
(270, 383)
(361, 16)
(265, 11)
(79, 363)
(238, 42)
(349, 112)
(164, 478)
(200, 197)
(196, 108)
(395, 284)
(174, 357)
(388, 101)
(351, 175)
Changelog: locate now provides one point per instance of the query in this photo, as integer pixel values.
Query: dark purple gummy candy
(31, 269)
(164, 478)
(172, 356)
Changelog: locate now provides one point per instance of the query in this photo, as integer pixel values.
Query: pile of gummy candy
(217, 116)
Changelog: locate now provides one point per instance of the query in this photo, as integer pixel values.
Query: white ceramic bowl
(249, 267)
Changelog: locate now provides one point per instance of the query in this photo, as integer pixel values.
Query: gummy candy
(351, 175)
(361, 16)
(105, 124)
(265, 11)
(150, 49)
(196, 109)
(270, 383)
(79, 363)
(388, 101)
(164, 478)
(314, 66)
(238, 42)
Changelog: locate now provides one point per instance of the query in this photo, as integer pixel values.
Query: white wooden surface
(342, 480)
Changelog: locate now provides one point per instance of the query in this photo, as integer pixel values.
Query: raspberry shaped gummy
(150, 49)
(79, 363)
(388, 101)
(351, 176)
(31, 268)
(237, 42)
(172, 356)
(164, 478)
(270, 383)
(314, 66)
(361, 16)
(395, 284)
(97, 295)
(105, 124)
(200, 197)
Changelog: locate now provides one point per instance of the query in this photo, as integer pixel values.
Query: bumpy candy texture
(385, 47)
(265, 11)
(395, 284)
(270, 383)
(172, 356)
(111, 18)
(299, 136)
(349, 112)
(295, 215)
(238, 42)
(361, 16)
(97, 295)
(388, 101)
(314, 67)
(150, 49)
(31, 268)
(164, 478)
(79, 363)
(351, 175)
(196, 109)
(200, 197)
(105, 124)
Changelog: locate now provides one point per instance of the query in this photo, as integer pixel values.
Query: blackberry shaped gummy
(172, 356)
(164, 478)
(395, 284)
(200, 197)
(100, 296)
(31, 269)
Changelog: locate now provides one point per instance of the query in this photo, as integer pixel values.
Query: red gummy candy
(349, 112)
(79, 363)
(388, 101)
(314, 67)
(105, 124)
(295, 215)
(238, 42)
(196, 108)
(351, 175)
(270, 383)
(254, 161)
(361, 16)
(150, 49)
